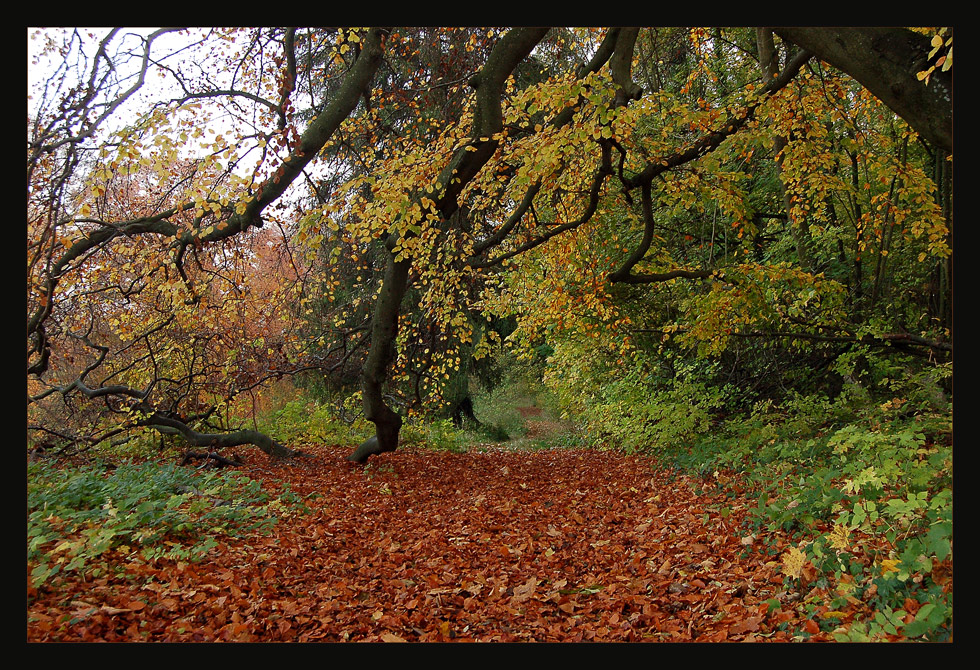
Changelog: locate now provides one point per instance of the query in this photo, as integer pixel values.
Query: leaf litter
(491, 545)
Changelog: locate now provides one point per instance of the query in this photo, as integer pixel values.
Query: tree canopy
(213, 209)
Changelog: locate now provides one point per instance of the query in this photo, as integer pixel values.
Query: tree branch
(885, 61)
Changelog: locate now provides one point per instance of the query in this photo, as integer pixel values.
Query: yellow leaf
(889, 565)
(793, 563)
(838, 536)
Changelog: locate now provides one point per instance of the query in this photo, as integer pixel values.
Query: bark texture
(169, 425)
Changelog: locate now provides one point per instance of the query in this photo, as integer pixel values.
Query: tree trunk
(367, 448)
(489, 83)
(464, 410)
(387, 422)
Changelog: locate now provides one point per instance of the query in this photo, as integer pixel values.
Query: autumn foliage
(645, 334)
(557, 546)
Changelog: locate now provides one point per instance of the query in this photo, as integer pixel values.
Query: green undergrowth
(440, 435)
(864, 491)
(78, 516)
(308, 421)
(443, 435)
(640, 417)
(500, 421)
(499, 410)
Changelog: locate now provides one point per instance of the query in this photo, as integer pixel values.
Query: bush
(867, 497)
(441, 435)
(302, 421)
(637, 416)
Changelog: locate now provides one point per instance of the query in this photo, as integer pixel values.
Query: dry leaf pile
(549, 546)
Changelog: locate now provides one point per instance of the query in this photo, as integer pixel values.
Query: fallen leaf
(749, 625)
(525, 591)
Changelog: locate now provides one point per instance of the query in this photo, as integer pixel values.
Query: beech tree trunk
(489, 82)
(387, 422)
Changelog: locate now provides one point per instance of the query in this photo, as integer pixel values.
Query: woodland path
(540, 426)
(490, 545)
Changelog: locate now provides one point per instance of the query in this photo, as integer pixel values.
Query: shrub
(441, 435)
(302, 421)
(638, 416)
(871, 505)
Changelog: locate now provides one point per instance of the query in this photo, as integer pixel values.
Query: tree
(201, 215)
(452, 170)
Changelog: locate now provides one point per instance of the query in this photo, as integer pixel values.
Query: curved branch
(603, 171)
(705, 145)
(900, 340)
(169, 425)
(712, 140)
(313, 139)
(612, 44)
(515, 217)
(657, 277)
(623, 274)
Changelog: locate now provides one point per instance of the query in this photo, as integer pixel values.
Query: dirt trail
(542, 426)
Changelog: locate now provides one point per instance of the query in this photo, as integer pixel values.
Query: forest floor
(496, 544)
(540, 426)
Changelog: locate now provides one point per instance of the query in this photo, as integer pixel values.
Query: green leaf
(929, 617)
(938, 540)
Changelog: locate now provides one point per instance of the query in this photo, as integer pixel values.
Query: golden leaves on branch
(939, 41)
